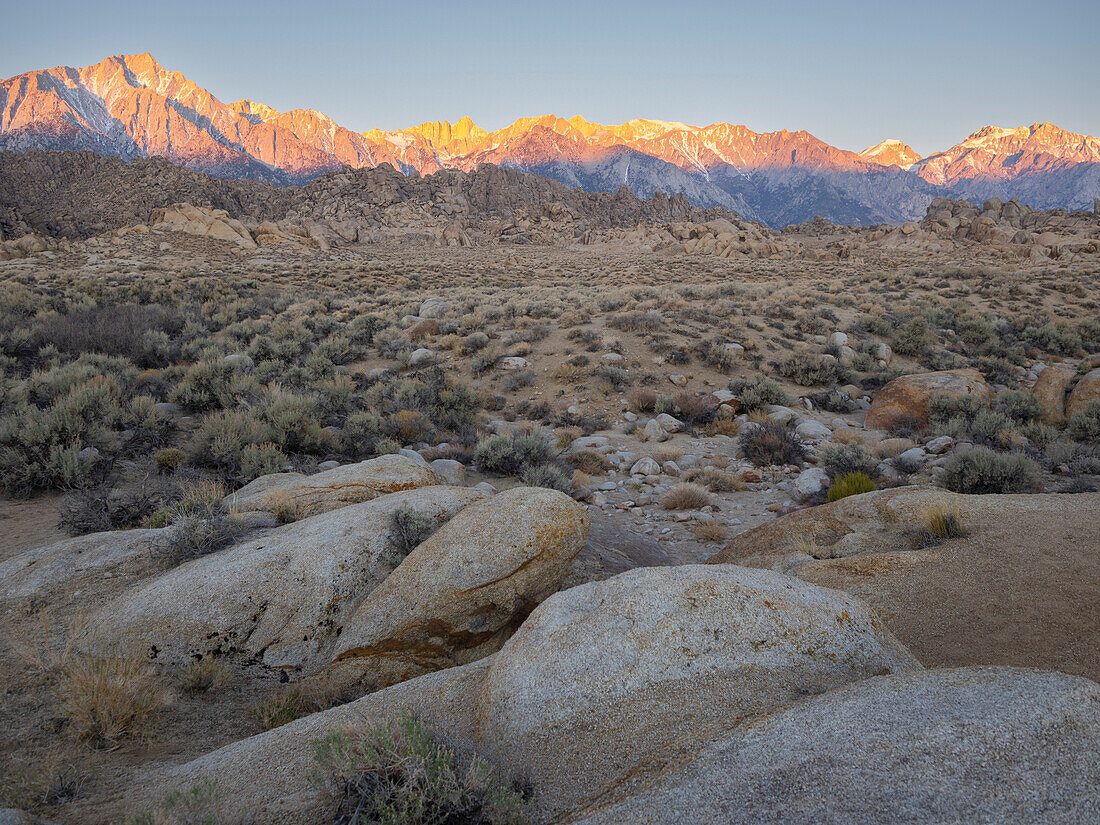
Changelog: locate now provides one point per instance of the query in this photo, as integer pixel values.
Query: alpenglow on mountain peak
(132, 106)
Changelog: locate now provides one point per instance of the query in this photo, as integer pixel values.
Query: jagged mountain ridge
(132, 107)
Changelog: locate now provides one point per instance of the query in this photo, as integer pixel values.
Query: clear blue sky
(852, 73)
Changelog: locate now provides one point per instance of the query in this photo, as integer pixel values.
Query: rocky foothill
(47, 198)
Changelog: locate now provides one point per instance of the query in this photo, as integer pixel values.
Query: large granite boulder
(905, 400)
(607, 672)
(463, 592)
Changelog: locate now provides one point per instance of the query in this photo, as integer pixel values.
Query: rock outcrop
(994, 745)
(279, 600)
(999, 594)
(339, 487)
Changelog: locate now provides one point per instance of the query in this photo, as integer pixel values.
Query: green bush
(982, 470)
(811, 370)
(1084, 425)
(764, 392)
(1019, 405)
(850, 484)
(913, 338)
(844, 459)
(511, 454)
(409, 528)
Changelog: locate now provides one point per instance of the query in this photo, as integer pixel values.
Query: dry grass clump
(666, 453)
(590, 462)
(938, 523)
(686, 496)
(203, 676)
(710, 531)
(891, 447)
(722, 426)
(109, 696)
(849, 436)
(714, 479)
(317, 694)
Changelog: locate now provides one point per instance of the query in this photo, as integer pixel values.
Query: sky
(852, 73)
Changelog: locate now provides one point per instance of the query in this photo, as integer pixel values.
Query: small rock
(939, 446)
(327, 465)
(452, 472)
(678, 379)
(810, 483)
(811, 430)
(513, 362)
(669, 423)
(414, 455)
(646, 467)
(670, 468)
(655, 432)
(838, 339)
(420, 356)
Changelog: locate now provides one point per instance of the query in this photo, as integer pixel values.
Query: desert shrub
(1019, 405)
(221, 437)
(205, 386)
(913, 338)
(399, 773)
(391, 344)
(1039, 435)
(409, 426)
(510, 454)
(696, 409)
(98, 509)
(518, 380)
(408, 528)
(649, 321)
(812, 370)
(833, 401)
(769, 443)
(714, 479)
(686, 496)
(293, 422)
(617, 377)
(943, 408)
(989, 427)
(763, 392)
(844, 459)
(474, 342)
(850, 484)
(140, 333)
(722, 426)
(551, 476)
(1084, 425)
(1053, 337)
(387, 446)
(996, 370)
(982, 470)
(109, 696)
(170, 459)
(260, 460)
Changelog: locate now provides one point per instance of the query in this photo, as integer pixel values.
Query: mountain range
(132, 107)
